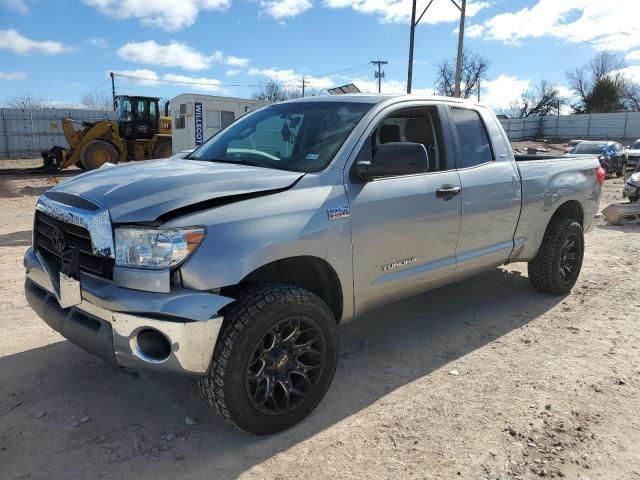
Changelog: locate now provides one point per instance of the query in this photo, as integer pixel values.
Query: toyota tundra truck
(237, 263)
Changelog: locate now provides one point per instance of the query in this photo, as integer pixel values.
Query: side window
(618, 147)
(226, 118)
(153, 112)
(475, 147)
(418, 125)
(213, 119)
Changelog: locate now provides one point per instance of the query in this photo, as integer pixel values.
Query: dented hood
(150, 191)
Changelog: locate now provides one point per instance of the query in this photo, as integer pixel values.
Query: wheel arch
(569, 209)
(309, 272)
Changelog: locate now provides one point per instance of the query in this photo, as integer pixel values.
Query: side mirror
(394, 159)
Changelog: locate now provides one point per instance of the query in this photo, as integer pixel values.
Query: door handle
(448, 191)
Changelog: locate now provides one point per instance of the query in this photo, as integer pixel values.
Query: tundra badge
(400, 263)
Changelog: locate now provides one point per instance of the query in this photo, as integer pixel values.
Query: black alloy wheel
(285, 365)
(571, 258)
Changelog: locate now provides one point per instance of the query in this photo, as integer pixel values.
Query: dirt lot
(484, 379)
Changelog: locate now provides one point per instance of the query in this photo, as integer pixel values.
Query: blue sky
(63, 49)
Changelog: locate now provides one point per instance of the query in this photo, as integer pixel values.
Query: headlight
(155, 248)
(635, 178)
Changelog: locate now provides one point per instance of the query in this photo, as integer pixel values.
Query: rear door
(404, 231)
(491, 192)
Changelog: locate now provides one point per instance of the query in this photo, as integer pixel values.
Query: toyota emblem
(57, 240)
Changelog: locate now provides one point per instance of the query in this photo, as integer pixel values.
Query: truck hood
(633, 151)
(151, 191)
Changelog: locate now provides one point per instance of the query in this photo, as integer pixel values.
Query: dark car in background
(612, 156)
(633, 156)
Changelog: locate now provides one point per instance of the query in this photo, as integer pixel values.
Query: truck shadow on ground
(138, 424)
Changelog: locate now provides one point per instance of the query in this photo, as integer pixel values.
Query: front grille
(76, 239)
(632, 160)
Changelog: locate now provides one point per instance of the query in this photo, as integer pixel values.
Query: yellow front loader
(139, 133)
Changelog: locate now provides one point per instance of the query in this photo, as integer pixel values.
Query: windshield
(299, 136)
(635, 145)
(124, 110)
(589, 148)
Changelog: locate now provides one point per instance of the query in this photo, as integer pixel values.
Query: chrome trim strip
(98, 223)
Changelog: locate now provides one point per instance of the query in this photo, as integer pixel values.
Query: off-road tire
(98, 152)
(544, 270)
(162, 149)
(244, 325)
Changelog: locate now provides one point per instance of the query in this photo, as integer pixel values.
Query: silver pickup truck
(237, 263)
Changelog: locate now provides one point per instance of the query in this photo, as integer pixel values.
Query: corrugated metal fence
(595, 125)
(25, 133)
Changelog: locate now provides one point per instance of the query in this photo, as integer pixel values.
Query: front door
(405, 228)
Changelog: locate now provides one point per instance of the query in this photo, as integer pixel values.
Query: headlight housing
(155, 249)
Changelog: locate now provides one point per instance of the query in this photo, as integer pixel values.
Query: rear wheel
(162, 150)
(274, 360)
(557, 266)
(98, 152)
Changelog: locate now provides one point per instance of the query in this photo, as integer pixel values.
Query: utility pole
(379, 74)
(414, 24)
(462, 9)
(478, 90)
(304, 84)
(113, 91)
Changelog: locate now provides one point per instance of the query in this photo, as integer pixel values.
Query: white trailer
(197, 117)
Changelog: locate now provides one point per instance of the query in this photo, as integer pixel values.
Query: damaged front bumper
(175, 331)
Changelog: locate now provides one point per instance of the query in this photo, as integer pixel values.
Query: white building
(197, 117)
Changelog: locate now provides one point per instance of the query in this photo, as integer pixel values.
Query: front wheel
(96, 153)
(557, 266)
(274, 360)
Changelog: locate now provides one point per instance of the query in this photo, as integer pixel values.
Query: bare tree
(273, 91)
(27, 101)
(601, 86)
(97, 101)
(543, 100)
(474, 69)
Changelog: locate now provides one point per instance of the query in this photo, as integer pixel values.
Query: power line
(183, 82)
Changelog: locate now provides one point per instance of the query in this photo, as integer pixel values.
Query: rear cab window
(475, 147)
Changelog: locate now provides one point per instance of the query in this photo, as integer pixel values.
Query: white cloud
(604, 25)
(173, 54)
(396, 87)
(18, 43)
(291, 78)
(236, 61)
(632, 72)
(635, 55)
(170, 15)
(399, 11)
(502, 91)
(152, 79)
(12, 76)
(18, 6)
(98, 42)
(281, 9)
(232, 73)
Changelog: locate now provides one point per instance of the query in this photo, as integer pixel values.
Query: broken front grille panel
(67, 247)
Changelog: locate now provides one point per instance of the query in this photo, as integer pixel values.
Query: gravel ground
(483, 379)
